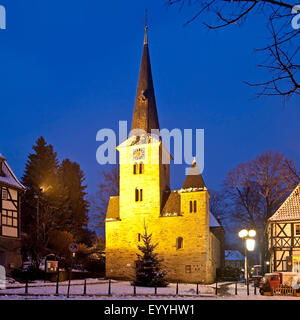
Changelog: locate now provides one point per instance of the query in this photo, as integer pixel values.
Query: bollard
(84, 287)
(197, 291)
(69, 285)
(57, 282)
(26, 285)
(248, 288)
(134, 290)
(155, 290)
(236, 288)
(109, 287)
(176, 288)
(216, 288)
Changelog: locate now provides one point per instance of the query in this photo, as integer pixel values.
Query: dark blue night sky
(70, 68)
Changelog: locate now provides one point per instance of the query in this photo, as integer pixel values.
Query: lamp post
(37, 197)
(268, 265)
(249, 242)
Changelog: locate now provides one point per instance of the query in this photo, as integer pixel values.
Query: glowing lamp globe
(250, 244)
(252, 233)
(243, 233)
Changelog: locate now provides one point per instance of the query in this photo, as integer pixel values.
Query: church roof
(194, 179)
(113, 211)
(7, 177)
(145, 113)
(172, 204)
(290, 209)
(213, 222)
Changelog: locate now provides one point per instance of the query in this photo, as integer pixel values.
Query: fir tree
(43, 199)
(72, 179)
(149, 271)
(54, 200)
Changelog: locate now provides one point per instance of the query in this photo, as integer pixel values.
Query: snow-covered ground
(122, 290)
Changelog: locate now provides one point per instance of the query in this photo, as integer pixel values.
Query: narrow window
(297, 229)
(4, 194)
(141, 194)
(179, 243)
(136, 195)
(195, 206)
(188, 269)
(191, 206)
(134, 168)
(141, 168)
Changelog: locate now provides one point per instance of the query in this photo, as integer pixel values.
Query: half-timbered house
(284, 235)
(10, 237)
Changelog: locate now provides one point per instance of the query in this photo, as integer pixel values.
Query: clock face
(139, 154)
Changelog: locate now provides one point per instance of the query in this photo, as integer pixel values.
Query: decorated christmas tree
(149, 271)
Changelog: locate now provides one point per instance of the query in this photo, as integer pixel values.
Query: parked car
(275, 279)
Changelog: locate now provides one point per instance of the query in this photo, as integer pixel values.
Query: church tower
(179, 220)
(144, 179)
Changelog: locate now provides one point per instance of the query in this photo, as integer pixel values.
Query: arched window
(141, 194)
(195, 206)
(141, 168)
(136, 194)
(191, 206)
(179, 243)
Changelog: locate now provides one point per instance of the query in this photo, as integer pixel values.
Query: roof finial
(146, 27)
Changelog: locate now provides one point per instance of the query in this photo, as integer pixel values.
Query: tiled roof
(194, 179)
(290, 209)
(213, 222)
(233, 255)
(7, 177)
(113, 211)
(172, 204)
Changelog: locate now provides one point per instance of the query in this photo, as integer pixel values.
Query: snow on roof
(233, 255)
(213, 222)
(7, 176)
(290, 209)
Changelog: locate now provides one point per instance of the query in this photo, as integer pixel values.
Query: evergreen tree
(149, 271)
(43, 200)
(76, 215)
(54, 201)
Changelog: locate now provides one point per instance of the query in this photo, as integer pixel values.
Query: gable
(290, 209)
(7, 176)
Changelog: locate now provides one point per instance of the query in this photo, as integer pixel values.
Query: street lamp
(248, 237)
(37, 197)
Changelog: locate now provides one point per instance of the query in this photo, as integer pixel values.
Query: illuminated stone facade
(190, 240)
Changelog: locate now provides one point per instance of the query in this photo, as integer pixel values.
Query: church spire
(145, 112)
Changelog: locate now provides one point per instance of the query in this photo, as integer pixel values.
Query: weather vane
(146, 19)
(146, 26)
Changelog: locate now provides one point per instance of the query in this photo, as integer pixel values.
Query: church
(190, 239)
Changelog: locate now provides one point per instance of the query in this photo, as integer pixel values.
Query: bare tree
(216, 203)
(294, 172)
(256, 189)
(107, 187)
(282, 53)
